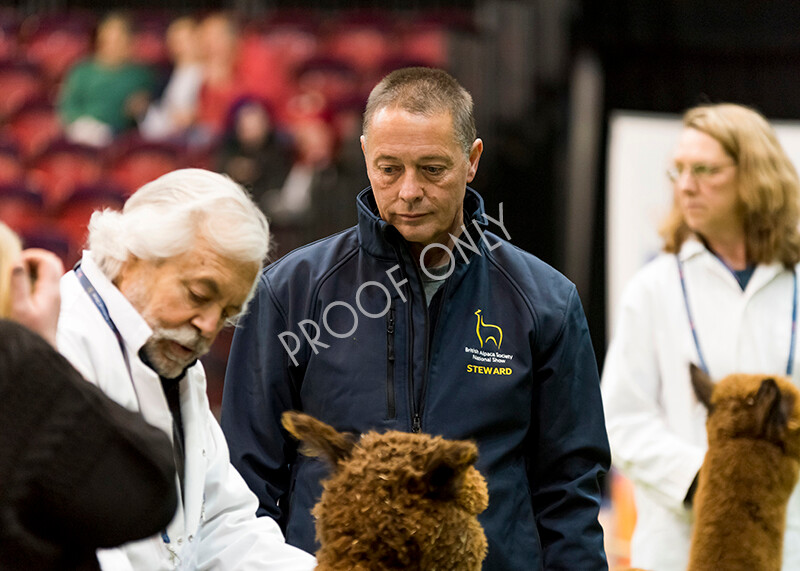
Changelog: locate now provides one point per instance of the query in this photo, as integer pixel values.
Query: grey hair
(165, 218)
(425, 91)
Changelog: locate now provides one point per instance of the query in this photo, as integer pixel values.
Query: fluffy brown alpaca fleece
(748, 474)
(395, 500)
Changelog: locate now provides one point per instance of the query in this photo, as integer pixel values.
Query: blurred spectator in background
(352, 174)
(171, 117)
(218, 35)
(333, 79)
(253, 153)
(106, 94)
(314, 199)
(294, 208)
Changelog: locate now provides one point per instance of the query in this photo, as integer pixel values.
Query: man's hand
(35, 295)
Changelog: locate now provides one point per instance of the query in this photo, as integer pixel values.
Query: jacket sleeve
(230, 536)
(570, 452)
(643, 445)
(258, 388)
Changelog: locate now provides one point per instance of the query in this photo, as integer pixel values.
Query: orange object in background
(618, 520)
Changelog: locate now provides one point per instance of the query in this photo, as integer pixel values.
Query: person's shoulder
(652, 283)
(655, 270)
(548, 295)
(141, 68)
(71, 291)
(78, 320)
(139, 71)
(313, 260)
(508, 252)
(527, 269)
(83, 66)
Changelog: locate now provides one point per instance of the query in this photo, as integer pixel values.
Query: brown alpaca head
(749, 471)
(758, 407)
(395, 500)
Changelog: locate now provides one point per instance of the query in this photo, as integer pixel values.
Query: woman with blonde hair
(723, 296)
(767, 185)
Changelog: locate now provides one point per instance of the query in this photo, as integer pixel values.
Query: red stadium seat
(10, 21)
(201, 157)
(11, 168)
(139, 162)
(49, 238)
(426, 43)
(21, 208)
(149, 42)
(57, 41)
(335, 79)
(61, 168)
(33, 127)
(363, 39)
(72, 218)
(19, 83)
(270, 57)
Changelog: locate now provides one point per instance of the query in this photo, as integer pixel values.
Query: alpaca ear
(445, 467)
(318, 438)
(703, 385)
(773, 408)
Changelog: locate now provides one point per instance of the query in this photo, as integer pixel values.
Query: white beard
(167, 360)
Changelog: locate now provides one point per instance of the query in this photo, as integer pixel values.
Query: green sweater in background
(100, 92)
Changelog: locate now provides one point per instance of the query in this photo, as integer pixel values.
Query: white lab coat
(656, 425)
(215, 526)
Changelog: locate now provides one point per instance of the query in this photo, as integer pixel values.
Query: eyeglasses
(698, 171)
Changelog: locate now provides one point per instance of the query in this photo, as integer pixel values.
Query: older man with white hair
(160, 280)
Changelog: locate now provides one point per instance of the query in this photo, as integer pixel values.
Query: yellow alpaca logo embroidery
(487, 331)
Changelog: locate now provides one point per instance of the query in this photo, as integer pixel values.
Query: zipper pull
(390, 336)
(416, 425)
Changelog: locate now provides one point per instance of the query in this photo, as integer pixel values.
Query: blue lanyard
(789, 365)
(101, 307)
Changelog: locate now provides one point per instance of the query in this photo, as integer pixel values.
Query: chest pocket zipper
(391, 411)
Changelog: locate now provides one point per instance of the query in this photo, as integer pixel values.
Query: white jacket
(656, 426)
(215, 527)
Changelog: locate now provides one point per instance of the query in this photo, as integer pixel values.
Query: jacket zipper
(418, 405)
(428, 346)
(416, 421)
(390, 399)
